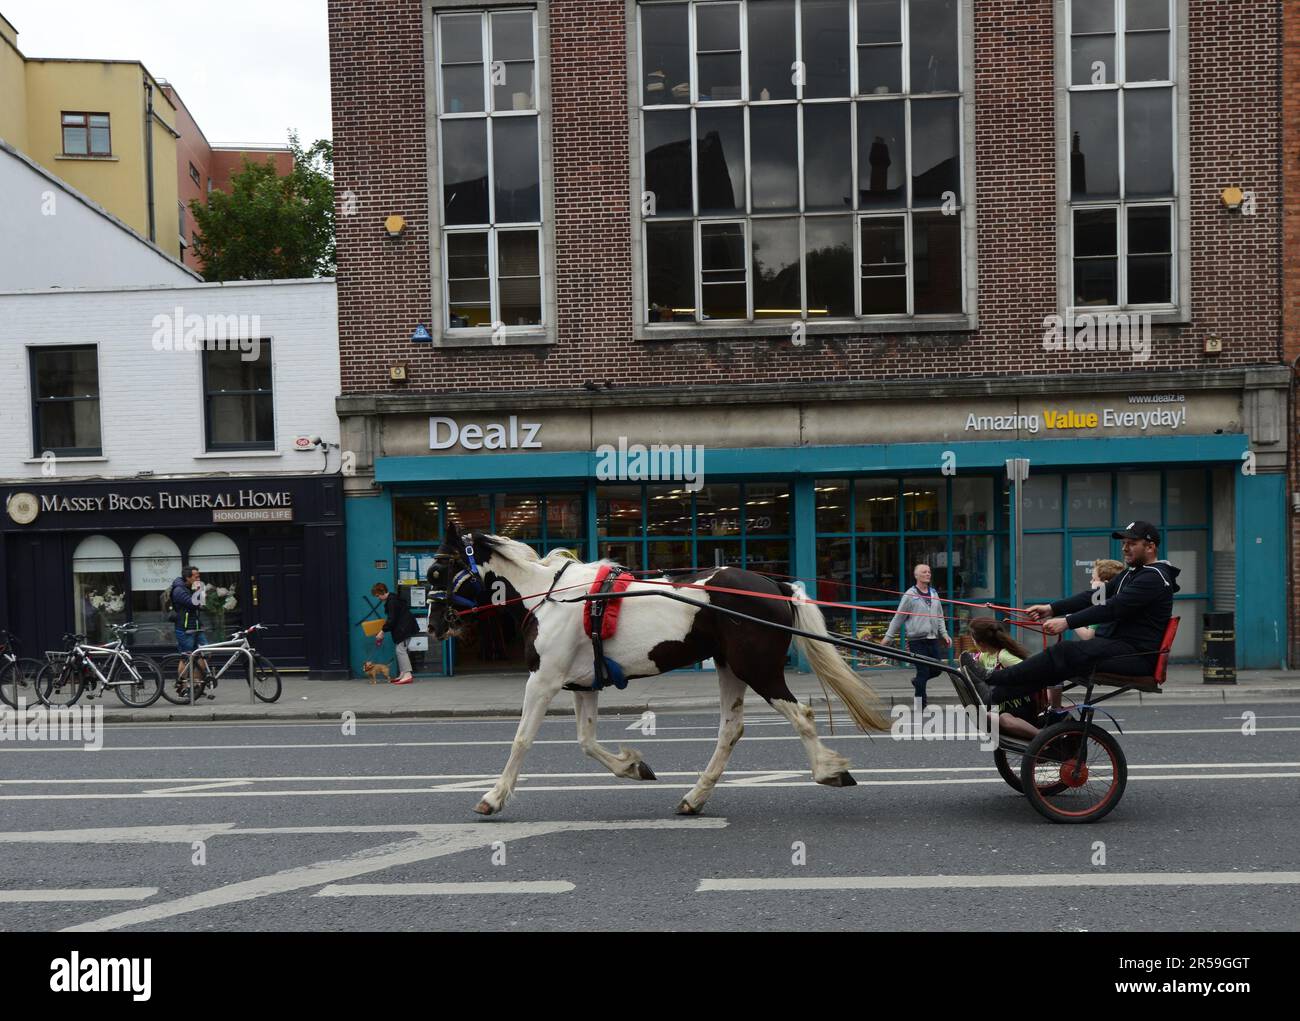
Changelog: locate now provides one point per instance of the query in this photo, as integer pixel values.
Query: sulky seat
(1152, 683)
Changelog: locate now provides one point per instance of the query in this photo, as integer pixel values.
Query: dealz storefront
(79, 557)
(849, 494)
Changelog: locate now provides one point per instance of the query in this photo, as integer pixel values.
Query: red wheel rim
(1074, 773)
(1066, 771)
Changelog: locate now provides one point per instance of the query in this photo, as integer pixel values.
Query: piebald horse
(653, 636)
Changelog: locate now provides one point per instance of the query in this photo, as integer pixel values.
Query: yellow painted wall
(118, 183)
(13, 92)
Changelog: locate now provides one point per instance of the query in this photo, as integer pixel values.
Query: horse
(653, 637)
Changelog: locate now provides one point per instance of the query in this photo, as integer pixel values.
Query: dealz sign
(445, 433)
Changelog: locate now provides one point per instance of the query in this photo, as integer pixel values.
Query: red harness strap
(609, 621)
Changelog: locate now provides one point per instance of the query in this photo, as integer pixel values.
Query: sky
(248, 70)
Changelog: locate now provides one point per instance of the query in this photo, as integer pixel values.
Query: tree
(270, 227)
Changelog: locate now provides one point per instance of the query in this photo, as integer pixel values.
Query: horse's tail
(857, 695)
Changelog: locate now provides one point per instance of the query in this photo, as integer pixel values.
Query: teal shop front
(852, 521)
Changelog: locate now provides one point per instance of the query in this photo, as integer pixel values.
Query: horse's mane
(522, 553)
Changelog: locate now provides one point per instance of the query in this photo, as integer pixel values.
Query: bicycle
(17, 675)
(69, 673)
(190, 675)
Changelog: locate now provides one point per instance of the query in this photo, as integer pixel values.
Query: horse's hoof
(483, 808)
(844, 779)
(644, 772)
(686, 808)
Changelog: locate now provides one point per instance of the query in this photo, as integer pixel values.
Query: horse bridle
(462, 589)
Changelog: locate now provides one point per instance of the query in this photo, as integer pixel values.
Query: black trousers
(1065, 661)
(933, 648)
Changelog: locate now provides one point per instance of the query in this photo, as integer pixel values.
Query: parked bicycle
(68, 674)
(192, 675)
(17, 675)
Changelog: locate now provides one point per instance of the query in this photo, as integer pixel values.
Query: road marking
(1050, 880)
(121, 835)
(70, 896)
(442, 889)
(200, 787)
(430, 841)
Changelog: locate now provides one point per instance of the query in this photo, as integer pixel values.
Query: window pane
(1148, 142)
(516, 174)
(516, 92)
(1084, 550)
(925, 505)
(1094, 232)
(875, 504)
(1139, 497)
(882, 157)
(880, 21)
(717, 27)
(833, 508)
(520, 284)
(415, 518)
(826, 44)
(1088, 51)
(718, 510)
(877, 574)
(884, 283)
(933, 27)
(99, 140)
(1149, 230)
(74, 141)
(1150, 280)
(936, 256)
(462, 38)
(1092, 16)
(468, 285)
(1146, 57)
(1094, 145)
(464, 171)
(518, 515)
(68, 372)
(462, 88)
(972, 504)
(880, 70)
(829, 241)
(827, 163)
(665, 56)
(1090, 500)
(228, 370)
(1041, 574)
(669, 511)
(1146, 14)
(767, 508)
(1185, 497)
(512, 35)
(1096, 282)
(777, 293)
(670, 272)
(1041, 501)
(1186, 550)
(768, 556)
(771, 50)
(241, 420)
(1095, 266)
(668, 160)
(722, 252)
(973, 571)
(717, 41)
(618, 510)
(466, 512)
(720, 147)
(774, 157)
(668, 556)
(69, 425)
(724, 301)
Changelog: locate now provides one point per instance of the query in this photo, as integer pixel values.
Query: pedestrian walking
(920, 618)
(399, 622)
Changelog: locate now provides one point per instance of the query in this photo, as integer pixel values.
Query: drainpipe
(148, 158)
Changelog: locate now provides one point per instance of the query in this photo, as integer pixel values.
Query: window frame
(908, 321)
(85, 126)
(209, 446)
(38, 449)
(1178, 309)
(484, 336)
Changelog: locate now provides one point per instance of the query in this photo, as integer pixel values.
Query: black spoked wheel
(1009, 766)
(59, 684)
(18, 681)
(266, 679)
(142, 693)
(176, 676)
(1092, 772)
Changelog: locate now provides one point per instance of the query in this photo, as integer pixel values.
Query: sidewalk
(684, 691)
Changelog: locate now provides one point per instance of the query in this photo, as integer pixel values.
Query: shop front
(849, 495)
(80, 557)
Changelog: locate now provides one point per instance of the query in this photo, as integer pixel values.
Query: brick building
(860, 251)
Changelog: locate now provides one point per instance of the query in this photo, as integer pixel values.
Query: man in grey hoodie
(920, 616)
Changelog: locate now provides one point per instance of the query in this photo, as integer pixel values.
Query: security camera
(316, 440)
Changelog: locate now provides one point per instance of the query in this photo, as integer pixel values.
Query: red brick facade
(1291, 271)
(378, 81)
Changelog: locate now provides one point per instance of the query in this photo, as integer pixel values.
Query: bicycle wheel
(18, 681)
(1009, 767)
(1094, 782)
(146, 691)
(266, 679)
(59, 684)
(176, 679)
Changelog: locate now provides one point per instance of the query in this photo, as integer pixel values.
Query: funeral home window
(801, 159)
(1122, 138)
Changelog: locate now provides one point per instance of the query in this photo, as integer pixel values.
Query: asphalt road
(302, 827)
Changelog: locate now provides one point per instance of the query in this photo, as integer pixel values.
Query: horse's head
(456, 581)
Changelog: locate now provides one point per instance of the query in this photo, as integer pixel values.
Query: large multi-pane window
(872, 532)
(490, 161)
(802, 159)
(65, 401)
(1122, 142)
(239, 399)
(86, 134)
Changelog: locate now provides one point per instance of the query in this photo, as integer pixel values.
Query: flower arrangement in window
(218, 601)
(108, 602)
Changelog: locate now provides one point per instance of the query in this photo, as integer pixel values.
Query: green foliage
(270, 227)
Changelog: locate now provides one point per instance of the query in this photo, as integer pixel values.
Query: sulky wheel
(1088, 785)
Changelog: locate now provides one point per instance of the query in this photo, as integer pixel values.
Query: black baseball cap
(1138, 530)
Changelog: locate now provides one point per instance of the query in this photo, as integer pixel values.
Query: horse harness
(600, 617)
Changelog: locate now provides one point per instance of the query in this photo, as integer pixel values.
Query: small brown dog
(373, 670)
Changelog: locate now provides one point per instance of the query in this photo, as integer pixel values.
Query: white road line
(122, 834)
(442, 889)
(432, 841)
(1050, 880)
(70, 896)
(200, 787)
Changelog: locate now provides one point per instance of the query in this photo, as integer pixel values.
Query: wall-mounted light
(1213, 344)
(394, 225)
(1232, 198)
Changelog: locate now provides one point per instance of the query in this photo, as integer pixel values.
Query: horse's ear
(452, 536)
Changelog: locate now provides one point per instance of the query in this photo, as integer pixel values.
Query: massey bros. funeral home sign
(232, 505)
